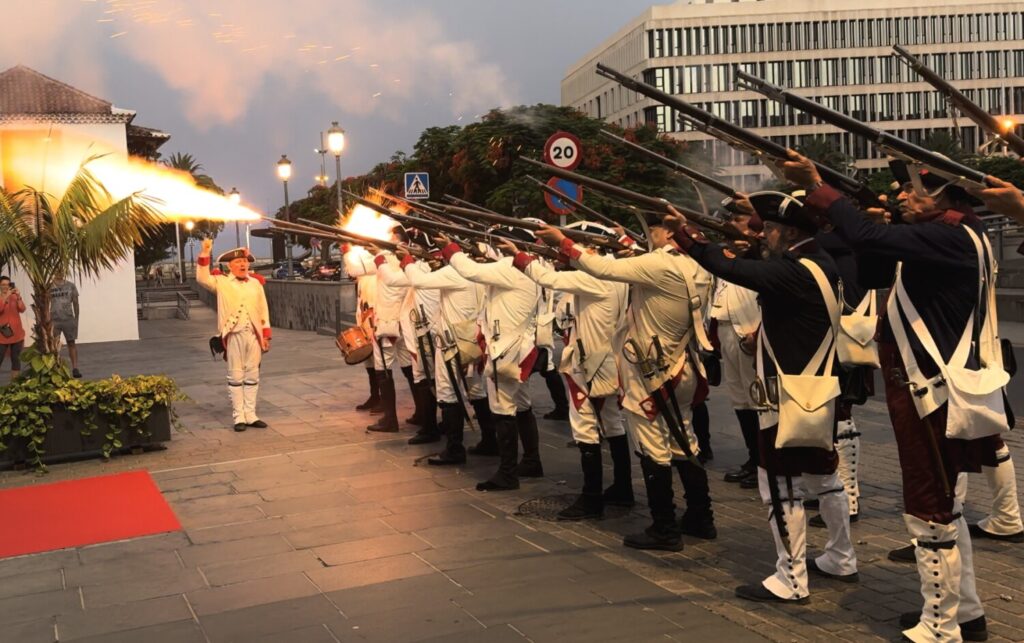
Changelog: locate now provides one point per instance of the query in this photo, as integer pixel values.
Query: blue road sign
(417, 185)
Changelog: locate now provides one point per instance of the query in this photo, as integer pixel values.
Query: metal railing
(1000, 227)
(184, 306)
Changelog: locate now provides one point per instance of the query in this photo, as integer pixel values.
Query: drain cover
(547, 507)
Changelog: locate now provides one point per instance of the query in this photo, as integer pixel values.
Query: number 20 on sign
(563, 150)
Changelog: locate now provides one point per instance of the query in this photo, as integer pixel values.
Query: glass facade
(834, 34)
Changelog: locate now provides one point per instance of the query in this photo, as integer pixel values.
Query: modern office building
(836, 51)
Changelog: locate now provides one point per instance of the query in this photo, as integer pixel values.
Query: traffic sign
(563, 150)
(417, 185)
(569, 189)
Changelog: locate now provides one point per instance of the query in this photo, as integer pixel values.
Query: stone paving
(313, 530)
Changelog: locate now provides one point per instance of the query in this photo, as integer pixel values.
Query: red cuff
(345, 247)
(216, 272)
(203, 261)
(568, 248)
(449, 250)
(522, 260)
(688, 236)
(822, 197)
(379, 260)
(627, 240)
(258, 277)
(406, 260)
(266, 332)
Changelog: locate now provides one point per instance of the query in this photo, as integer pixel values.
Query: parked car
(328, 271)
(280, 270)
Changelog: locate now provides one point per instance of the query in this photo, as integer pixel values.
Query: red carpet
(82, 512)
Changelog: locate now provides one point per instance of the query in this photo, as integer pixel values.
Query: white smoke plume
(218, 53)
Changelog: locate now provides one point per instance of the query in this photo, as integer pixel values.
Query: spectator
(12, 334)
(158, 272)
(64, 313)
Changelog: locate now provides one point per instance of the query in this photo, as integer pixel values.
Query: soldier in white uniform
(388, 347)
(366, 296)
(461, 304)
(510, 320)
(592, 311)
(243, 322)
(418, 308)
(667, 292)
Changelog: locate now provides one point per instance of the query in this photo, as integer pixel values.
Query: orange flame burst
(174, 193)
(368, 222)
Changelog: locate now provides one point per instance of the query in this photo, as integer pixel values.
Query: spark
(376, 95)
(118, 34)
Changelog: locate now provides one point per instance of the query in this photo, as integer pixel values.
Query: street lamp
(235, 197)
(284, 172)
(336, 143)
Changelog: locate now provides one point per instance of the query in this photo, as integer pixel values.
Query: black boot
(530, 467)
(388, 423)
(488, 444)
(698, 520)
(453, 422)
(505, 478)
(557, 390)
(620, 493)
(590, 503)
(417, 417)
(373, 401)
(428, 414)
(702, 428)
(663, 534)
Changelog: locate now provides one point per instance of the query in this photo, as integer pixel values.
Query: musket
(896, 147)
(958, 100)
(650, 370)
(479, 235)
(656, 203)
(575, 235)
(322, 231)
(446, 342)
(603, 218)
(675, 166)
(430, 211)
(420, 322)
(454, 200)
(741, 138)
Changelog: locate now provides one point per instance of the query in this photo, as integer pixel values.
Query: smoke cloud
(217, 54)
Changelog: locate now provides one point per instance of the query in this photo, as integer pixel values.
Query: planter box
(64, 439)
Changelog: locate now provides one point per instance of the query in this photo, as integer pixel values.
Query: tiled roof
(26, 91)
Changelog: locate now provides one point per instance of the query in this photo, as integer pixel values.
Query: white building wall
(993, 48)
(108, 310)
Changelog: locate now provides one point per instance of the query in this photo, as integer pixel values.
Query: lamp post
(189, 226)
(235, 197)
(181, 255)
(284, 172)
(336, 143)
(322, 177)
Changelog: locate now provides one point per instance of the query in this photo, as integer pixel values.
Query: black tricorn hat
(786, 208)
(237, 253)
(931, 182)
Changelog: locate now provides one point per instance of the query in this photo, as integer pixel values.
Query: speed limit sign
(563, 150)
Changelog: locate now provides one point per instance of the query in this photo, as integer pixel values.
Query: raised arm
(203, 276)
(420, 276)
(499, 273)
(358, 262)
(932, 242)
(784, 277)
(576, 282)
(388, 271)
(647, 269)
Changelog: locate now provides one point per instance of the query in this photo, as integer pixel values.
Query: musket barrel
(714, 124)
(675, 166)
(655, 203)
(891, 144)
(576, 235)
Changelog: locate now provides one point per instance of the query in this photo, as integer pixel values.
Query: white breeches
(588, 425)
(243, 355)
(509, 396)
(446, 389)
(387, 351)
(653, 439)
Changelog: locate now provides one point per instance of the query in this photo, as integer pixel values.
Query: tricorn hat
(237, 253)
(785, 208)
(592, 228)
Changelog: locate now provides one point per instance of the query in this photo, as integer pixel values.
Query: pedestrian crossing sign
(417, 185)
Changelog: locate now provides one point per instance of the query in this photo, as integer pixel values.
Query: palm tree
(81, 234)
(188, 163)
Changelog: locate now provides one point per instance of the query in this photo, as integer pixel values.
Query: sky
(238, 83)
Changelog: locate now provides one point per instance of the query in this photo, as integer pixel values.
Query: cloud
(217, 55)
